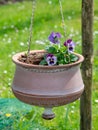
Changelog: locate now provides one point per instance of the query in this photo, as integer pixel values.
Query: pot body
(47, 86)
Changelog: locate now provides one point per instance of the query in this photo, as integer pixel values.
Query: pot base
(47, 101)
(48, 114)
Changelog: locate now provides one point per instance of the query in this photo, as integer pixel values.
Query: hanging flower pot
(48, 78)
(47, 86)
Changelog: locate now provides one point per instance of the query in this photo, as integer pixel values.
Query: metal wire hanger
(32, 23)
(31, 26)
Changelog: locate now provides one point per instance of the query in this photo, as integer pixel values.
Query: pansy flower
(51, 59)
(70, 45)
(54, 37)
(57, 53)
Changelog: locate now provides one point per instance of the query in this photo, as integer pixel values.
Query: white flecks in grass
(9, 55)
(13, 53)
(3, 39)
(95, 33)
(72, 107)
(4, 27)
(23, 31)
(12, 26)
(9, 79)
(39, 42)
(43, 32)
(65, 108)
(72, 111)
(22, 44)
(5, 71)
(78, 42)
(9, 40)
(74, 102)
(69, 17)
(96, 101)
(46, 40)
(36, 128)
(3, 88)
(55, 26)
(71, 35)
(77, 32)
(50, 2)
(5, 35)
(26, 29)
(72, 30)
(9, 84)
(96, 18)
(16, 30)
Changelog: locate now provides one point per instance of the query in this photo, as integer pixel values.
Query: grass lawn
(14, 34)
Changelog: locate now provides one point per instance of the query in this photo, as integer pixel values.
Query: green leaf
(43, 62)
(52, 50)
(67, 59)
(61, 62)
(73, 58)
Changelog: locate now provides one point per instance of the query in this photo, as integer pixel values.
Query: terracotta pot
(47, 86)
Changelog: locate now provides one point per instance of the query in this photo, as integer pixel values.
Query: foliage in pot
(55, 54)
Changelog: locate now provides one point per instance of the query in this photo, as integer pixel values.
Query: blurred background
(15, 18)
(7, 1)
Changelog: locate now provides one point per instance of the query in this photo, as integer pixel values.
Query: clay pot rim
(17, 62)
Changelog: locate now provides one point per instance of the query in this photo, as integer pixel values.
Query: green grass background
(14, 34)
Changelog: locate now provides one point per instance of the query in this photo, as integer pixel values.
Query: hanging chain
(32, 20)
(63, 22)
(31, 26)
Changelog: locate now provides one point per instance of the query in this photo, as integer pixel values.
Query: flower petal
(51, 59)
(54, 37)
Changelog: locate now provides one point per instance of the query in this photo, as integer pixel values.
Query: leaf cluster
(62, 54)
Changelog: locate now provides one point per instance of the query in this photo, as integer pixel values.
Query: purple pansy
(67, 42)
(54, 37)
(70, 45)
(51, 59)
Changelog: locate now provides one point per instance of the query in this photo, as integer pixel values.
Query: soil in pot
(32, 58)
